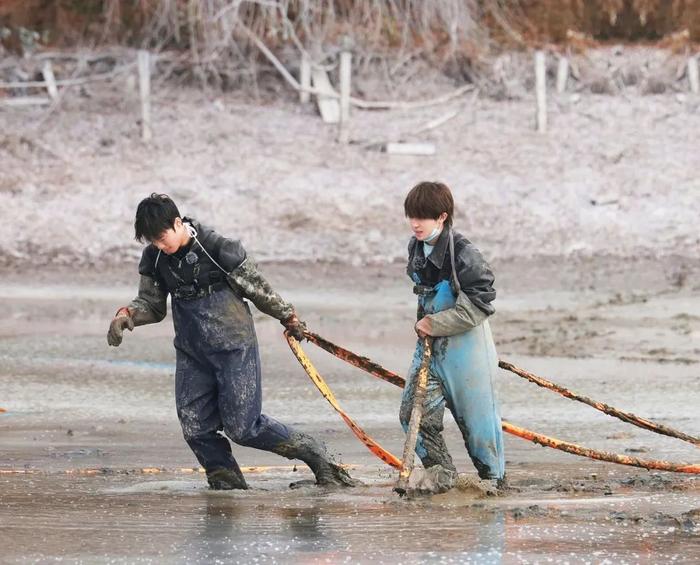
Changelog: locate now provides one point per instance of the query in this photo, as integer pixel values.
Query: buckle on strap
(423, 290)
(192, 291)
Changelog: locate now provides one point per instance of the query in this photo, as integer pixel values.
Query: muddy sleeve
(150, 306)
(475, 278)
(247, 280)
(463, 317)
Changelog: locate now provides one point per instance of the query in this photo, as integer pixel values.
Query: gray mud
(74, 404)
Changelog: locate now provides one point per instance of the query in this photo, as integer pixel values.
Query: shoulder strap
(456, 289)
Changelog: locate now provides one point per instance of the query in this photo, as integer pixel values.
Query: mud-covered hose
(389, 376)
(546, 441)
(606, 408)
(380, 372)
(420, 385)
(325, 390)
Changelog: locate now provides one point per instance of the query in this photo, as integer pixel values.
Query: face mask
(433, 235)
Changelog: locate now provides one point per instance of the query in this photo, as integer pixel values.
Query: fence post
(693, 77)
(345, 79)
(50, 80)
(305, 78)
(541, 90)
(144, 64)
(562, 74)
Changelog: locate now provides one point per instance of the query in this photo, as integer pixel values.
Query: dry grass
(208, 38)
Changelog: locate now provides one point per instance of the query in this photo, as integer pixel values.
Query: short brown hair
(429, 200)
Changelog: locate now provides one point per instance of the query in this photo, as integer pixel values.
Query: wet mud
(94, 468)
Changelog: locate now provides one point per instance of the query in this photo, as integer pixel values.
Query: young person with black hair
(217, 376)
(455, 292)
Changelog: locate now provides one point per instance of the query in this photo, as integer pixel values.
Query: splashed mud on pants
(461, 376)
(217, 382)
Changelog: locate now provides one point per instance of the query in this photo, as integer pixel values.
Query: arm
(249, 282)
(463, 317)
(150, 306)
(473, 304)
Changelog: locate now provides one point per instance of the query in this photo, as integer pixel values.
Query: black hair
(429, 200)
(154, 215)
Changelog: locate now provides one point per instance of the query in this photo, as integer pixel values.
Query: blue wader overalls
(462, 372)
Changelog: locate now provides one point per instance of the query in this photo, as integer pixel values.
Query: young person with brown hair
(455, 292)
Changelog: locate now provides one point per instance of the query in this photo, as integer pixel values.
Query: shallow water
(176, 519)
(73, 404)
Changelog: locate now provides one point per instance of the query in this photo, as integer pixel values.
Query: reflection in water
(180, 521)
(314, 528)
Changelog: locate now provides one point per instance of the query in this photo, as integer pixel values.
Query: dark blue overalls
(217, 378)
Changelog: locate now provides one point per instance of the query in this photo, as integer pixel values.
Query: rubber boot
(433, 480)
(226, 479)
(314, 454)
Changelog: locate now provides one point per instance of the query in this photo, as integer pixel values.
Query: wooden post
(305, 78)
(420, 384)
(562, 74)
(50, 80)
(144, 65)
(541, 90)
(693, 77)
(345, 78)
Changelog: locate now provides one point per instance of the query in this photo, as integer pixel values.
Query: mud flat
(74, 404)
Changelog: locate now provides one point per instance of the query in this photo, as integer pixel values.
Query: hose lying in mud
(606, 408)
(382, 373)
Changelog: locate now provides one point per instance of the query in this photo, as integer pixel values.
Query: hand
(294, 327)
(116, 328)
(424, 327)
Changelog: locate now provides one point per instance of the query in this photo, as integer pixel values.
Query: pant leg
(430, 446)
(240, 399)
(198, 412)
(468, 369)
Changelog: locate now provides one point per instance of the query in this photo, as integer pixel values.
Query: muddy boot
(433, 480)
(494, 487)
(314, 454)
(226, 479)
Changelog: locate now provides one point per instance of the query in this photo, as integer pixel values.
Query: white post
(145, 92)
(693, 77)
(562, 74)
(50, 80)
(345, 77)
(541, 91)
(305, 78)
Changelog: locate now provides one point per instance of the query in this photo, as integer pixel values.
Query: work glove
(295, 327)
(121, 320)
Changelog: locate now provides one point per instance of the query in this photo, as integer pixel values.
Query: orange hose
(384, 374)
(606, 408)
(599, 455)
(325, 390)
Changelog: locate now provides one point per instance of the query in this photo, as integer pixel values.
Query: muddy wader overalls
(454, 285)
(217, 378)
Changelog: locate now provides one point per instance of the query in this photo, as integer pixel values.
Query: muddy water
(73, 404)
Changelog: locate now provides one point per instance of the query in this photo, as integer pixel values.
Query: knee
(241, 432)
